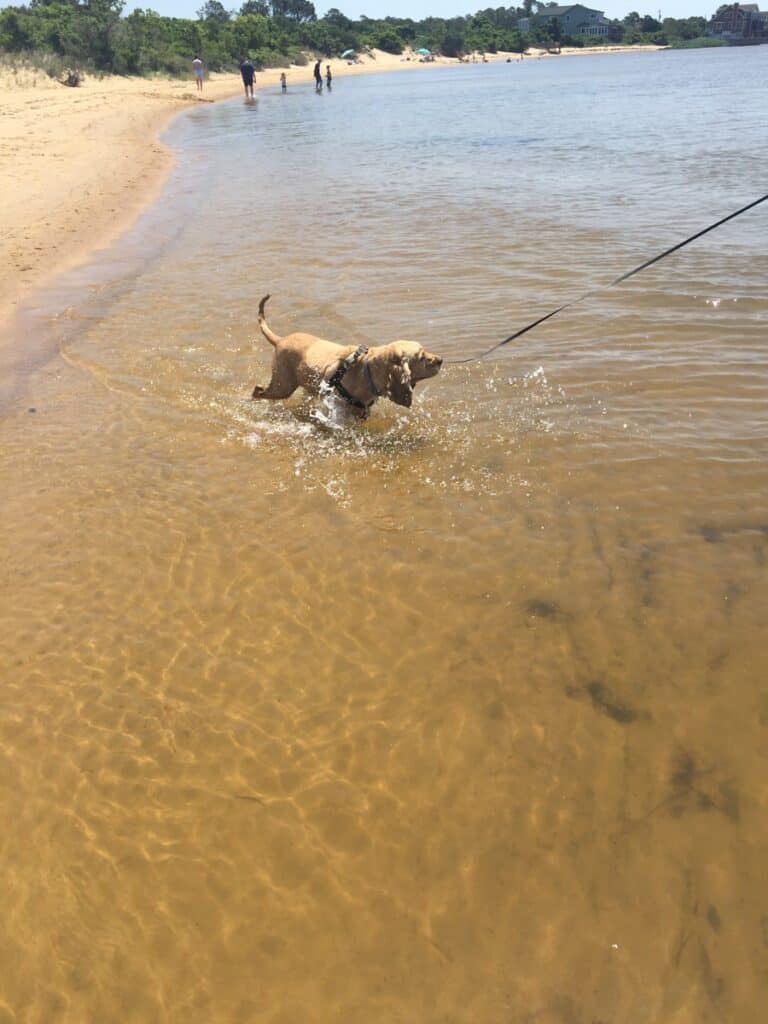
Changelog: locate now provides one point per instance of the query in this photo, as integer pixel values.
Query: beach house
(739, 22)
(573, 20)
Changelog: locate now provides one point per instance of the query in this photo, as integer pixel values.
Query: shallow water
(455, 715)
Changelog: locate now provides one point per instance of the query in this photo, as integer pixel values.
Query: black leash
(624, 277)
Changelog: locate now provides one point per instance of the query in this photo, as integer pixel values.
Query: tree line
(94, 34)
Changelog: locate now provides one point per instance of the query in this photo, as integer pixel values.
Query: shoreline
(79, 165)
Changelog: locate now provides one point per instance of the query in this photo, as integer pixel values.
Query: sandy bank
(78, 165)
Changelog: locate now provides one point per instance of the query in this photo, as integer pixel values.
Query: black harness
(335, 380)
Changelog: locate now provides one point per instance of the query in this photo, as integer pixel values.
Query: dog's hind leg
(282, 385)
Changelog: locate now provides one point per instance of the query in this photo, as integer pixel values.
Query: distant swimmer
(318, 78)
(283, 82)
(247, 70)
(328, 76)
(199, 70)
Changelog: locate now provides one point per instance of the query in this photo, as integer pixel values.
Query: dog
(359, 375)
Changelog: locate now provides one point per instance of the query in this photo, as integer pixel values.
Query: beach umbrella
(423, 50)
(348, 53)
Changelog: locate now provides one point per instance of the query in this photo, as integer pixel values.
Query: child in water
(283, 82)
(328, 76)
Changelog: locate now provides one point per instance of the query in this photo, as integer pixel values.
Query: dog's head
(408, 363)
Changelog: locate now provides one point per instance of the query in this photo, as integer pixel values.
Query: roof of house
(559, 11)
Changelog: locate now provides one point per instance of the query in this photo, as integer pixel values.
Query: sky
(418, 9)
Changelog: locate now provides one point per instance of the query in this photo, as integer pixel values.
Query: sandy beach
(78, 165)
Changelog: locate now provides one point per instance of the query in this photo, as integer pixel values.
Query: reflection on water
(452, 715)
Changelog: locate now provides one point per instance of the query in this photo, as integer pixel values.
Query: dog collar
(342, 369)
(369, 378)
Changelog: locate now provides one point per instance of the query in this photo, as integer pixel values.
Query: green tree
(298, 11)
(384, 37)
(89, 37)
(16, 30)
(517, 42)
(684, 28)
(213, 10)
(248, 35)
(479, 34)
(649, 24)
(337, 19)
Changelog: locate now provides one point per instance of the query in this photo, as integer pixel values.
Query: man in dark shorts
(318, 78)
(247, 71)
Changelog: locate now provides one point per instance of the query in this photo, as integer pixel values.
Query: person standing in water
(318, 78)
(199, 70)
(328, 76)
(247, 71)
(283, 82)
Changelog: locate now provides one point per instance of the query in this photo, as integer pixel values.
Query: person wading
(247, 71)
(199, 70)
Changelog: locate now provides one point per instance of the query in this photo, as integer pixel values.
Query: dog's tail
(271, 337)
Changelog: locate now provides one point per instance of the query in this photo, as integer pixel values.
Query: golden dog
(359, 375)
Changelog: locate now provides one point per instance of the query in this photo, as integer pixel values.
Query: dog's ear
(400, 385)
